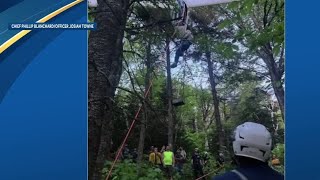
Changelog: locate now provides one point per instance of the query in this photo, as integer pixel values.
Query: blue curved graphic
(27, 11)
(14, 60)
(4, 5)
(43, 112)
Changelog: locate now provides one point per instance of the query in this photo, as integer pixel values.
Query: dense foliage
(245, 43)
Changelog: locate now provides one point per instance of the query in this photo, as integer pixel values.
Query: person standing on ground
(275, 161)
(183, 153)
(151, 149)
(220, 160)
(126, 152)
(152, 158)
(197, 164)
(205, 158)
(179, 161)
(163, 149)
(252, 148)
(157, 154)
(134, 155)
(168, 162)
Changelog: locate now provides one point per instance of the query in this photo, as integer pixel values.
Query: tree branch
(266, 13)
(153, 24)
(133, 52)
(240, 26)
(132, 2)
(131, 78)
(276, 12)
(142, 99)
(281, 61)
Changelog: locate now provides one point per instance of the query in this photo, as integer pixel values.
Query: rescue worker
(252, 148)
(168, 162)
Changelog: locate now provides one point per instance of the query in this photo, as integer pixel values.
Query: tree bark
(217, 116)
(169, 95)
(104, 71)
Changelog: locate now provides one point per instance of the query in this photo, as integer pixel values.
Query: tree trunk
(195, 125)
(273, 119)
(276, 77)
(169, 95)
(142, 137)
(278, 90)
(105, 69)
(177, 128)
(225, 116)
(206, 141)
(145, 119)
(217, 116)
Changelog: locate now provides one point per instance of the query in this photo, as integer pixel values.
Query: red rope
(130, 129)
(128, 133)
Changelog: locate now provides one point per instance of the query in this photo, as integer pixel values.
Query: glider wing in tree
(92, 3)
(197, 3)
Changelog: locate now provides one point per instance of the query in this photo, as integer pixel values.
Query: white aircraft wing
(92, 3)
(198, 3)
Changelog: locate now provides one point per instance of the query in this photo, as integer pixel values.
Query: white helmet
(252, 140)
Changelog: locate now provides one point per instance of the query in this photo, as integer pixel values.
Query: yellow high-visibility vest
(168, 158)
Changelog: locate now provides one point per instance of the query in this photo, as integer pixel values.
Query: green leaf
(224, 24)
(233, 5)
(276, 50)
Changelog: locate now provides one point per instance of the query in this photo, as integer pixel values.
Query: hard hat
(252, 140)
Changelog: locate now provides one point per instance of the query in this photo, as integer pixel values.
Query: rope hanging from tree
(129, 130)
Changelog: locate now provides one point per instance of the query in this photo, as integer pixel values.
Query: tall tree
(143, 125)
(104, 68)
(259, 27)
(169, 95)
(213, 84)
